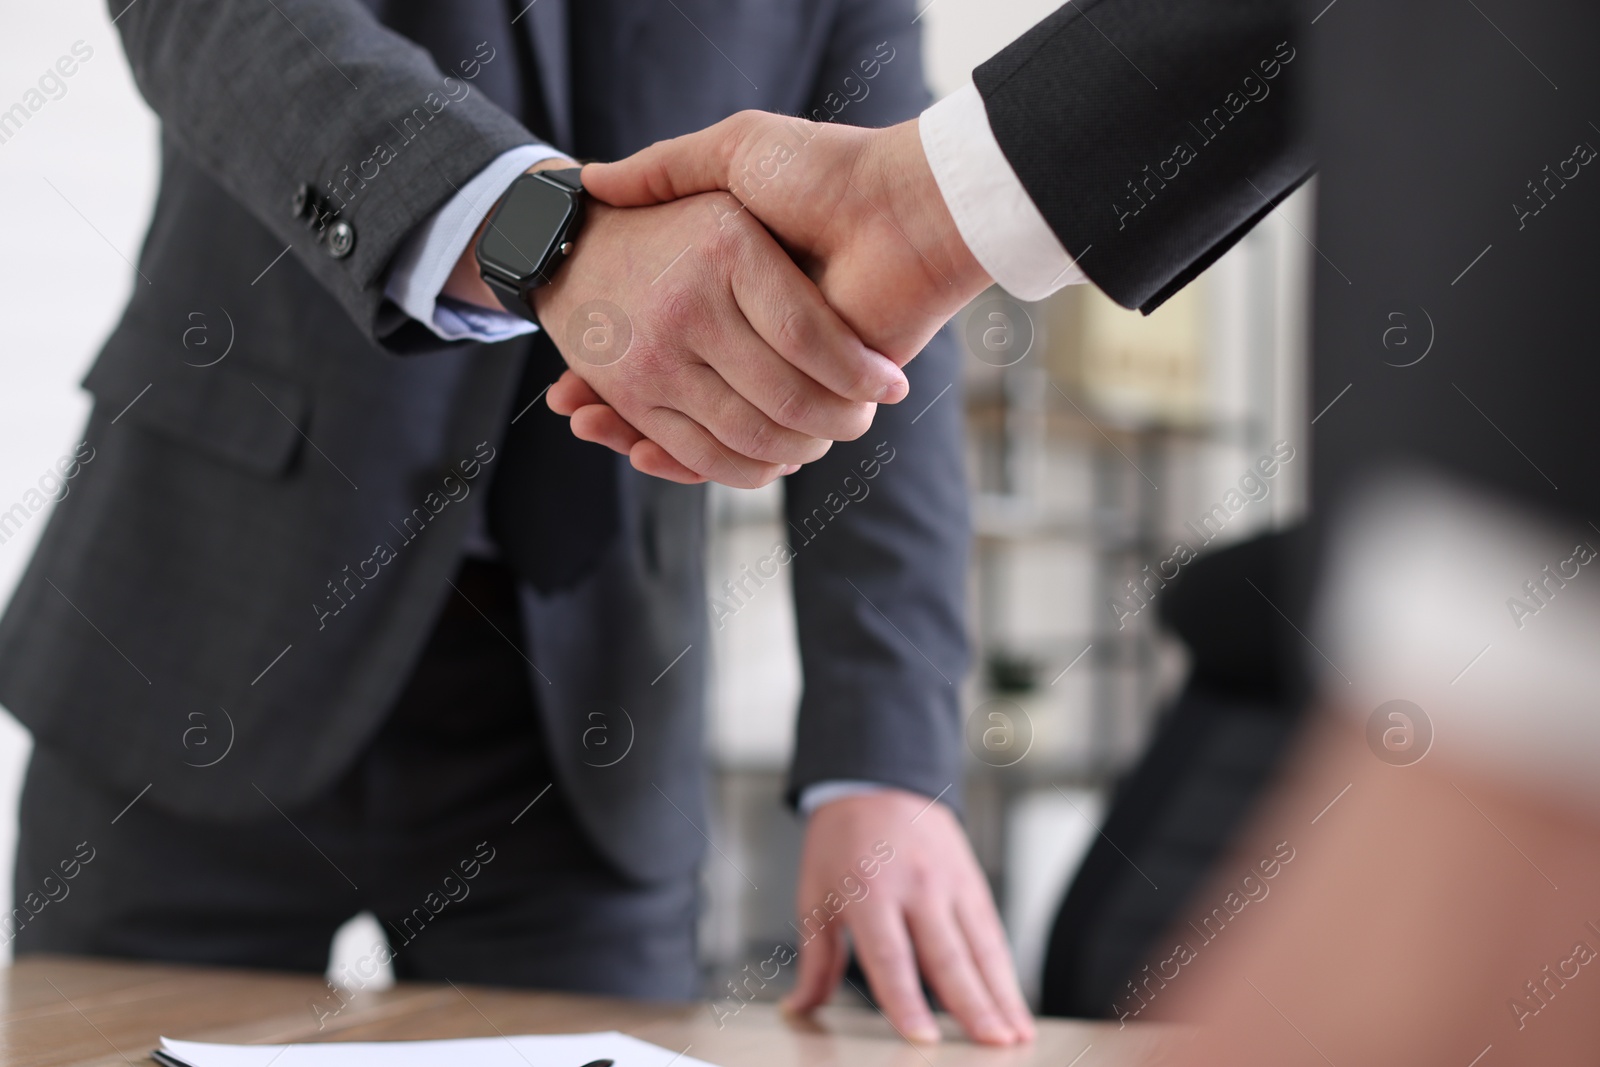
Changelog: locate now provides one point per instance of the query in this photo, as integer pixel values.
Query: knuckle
(650, 358)
(759, 439)
(766, 475)
(795, 332)
(862, 380)
(924, 883)
(745, 124)
(795, 408)
(725, 244)
(678, 309)
(885, 960)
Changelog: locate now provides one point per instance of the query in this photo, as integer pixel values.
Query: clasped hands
(741, 297)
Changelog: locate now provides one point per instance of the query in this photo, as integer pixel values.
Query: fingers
(822, 964)
(601, 424)
(739, 426)
(742, 307)
(770, 382)
(927, 915)
(569, 393)
(747, 449)
(687, 442)
(884, 948)
(833, 366)
(941, 947)
(787, 391)
(595, 420)
(650, 458)
(694, 163)
(986, 940)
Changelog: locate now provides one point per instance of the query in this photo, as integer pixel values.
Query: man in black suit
(338, 615)
(1129, 143)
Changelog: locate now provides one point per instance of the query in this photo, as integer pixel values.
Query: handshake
(741, 297)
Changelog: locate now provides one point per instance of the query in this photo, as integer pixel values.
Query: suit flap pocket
(241, 414)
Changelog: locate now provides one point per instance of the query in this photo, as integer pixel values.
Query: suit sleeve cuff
(416, 281)
(998, 220)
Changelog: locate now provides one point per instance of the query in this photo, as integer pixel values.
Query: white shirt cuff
(416, 281)
(998, 220)
(813, 797)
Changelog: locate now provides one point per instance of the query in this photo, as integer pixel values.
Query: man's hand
(858, 209)
(695, 326)
(925, 905)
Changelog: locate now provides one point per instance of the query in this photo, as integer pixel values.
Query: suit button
(301, 201)
(341, 239)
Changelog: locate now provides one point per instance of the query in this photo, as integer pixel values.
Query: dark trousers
(431, 830)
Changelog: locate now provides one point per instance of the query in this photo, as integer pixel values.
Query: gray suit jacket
(186, 579)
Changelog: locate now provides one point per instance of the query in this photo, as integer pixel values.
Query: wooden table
(60, 1011)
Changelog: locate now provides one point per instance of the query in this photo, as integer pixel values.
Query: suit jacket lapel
(545, 21)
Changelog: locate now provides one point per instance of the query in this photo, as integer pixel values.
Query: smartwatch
(529, 235)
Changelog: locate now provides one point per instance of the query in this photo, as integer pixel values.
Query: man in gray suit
(339, 616)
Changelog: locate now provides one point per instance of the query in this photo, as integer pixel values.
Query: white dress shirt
(997, 218)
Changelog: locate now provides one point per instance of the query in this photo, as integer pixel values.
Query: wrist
(553, 292)
(904, 167)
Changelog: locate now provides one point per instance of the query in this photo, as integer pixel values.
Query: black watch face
(527, 228)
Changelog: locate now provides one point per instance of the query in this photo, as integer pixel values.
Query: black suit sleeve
(267, 97)
(1152, 134)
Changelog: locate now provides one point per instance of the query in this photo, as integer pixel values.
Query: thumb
(694, 163)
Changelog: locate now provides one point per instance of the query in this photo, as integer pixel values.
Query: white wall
(960, 34)
(78, 181)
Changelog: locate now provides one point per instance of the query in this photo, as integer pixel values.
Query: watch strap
(511, 298)
(569, 177)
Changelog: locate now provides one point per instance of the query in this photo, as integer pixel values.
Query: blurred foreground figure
(1444, 903)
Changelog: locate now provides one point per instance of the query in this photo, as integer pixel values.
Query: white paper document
(530, 1050)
